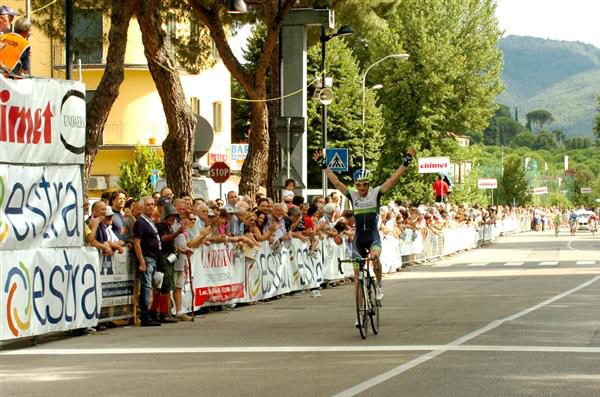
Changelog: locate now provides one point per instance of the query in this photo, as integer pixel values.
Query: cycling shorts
(365, 242)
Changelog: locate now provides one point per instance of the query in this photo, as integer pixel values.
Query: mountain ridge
(562, 77)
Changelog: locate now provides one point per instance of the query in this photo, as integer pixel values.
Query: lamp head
(404, 57)
(237, 7)
(345, 31)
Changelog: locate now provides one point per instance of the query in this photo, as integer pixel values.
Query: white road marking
(479, 264)
(549, 263)
(427, 356)
(513, 264)
(297, 349)
(443, 265)
(570, 247)
(585, 263)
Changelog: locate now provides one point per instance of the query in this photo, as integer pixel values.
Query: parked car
(582, 219)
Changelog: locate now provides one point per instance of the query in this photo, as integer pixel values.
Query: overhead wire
(315, 80)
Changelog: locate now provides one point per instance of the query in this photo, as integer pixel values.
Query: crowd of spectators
(163, 231)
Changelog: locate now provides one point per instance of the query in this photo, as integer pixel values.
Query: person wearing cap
(15, 49)
(7, 15)
(111, 237)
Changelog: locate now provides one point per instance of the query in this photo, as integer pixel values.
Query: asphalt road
(517, 318)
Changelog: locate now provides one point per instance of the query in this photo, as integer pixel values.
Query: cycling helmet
(362, 175)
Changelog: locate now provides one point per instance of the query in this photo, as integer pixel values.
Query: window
(217, 117)
(195, 104)
(88, 39)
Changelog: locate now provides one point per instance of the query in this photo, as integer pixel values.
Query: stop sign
(219, 172)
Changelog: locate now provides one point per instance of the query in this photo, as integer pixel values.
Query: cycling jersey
(366, 215)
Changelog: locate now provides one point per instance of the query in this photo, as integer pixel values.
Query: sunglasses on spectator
(192, 219)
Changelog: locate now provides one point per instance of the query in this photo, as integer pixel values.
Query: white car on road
(582, 218)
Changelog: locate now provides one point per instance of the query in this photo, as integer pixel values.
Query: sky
(572, 20)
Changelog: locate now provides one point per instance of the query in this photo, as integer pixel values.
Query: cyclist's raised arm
(320, 159)
(392, 180)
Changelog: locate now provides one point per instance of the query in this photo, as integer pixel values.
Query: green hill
(562, 77)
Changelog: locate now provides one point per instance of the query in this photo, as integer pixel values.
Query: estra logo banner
(48, 290)
(434, 165)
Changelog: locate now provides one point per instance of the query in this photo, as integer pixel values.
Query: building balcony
(130, 133)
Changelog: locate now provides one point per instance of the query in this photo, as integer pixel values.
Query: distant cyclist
(365, 202)
(593, 223)
(557, 221)
(573, 223)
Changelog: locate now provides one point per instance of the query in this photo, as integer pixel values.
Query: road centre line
(443, 265)
(299, 349)
(585, 262)
(549, 263)
(427, 356)
(478, 264)
(513, 264)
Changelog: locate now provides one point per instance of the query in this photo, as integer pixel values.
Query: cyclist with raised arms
(366, 205)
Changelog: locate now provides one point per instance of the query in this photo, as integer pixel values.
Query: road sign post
(219, 172)
(154, 178)
(491, 184)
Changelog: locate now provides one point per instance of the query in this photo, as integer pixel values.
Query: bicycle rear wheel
(361, 307)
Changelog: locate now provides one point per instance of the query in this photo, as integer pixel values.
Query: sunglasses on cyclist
(361, 184)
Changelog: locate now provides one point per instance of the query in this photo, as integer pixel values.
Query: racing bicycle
(367, 307)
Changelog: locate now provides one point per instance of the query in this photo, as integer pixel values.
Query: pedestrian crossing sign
(337, 159)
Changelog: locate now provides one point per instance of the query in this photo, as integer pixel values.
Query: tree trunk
(99, 107)
(254, 169)
(181, 122)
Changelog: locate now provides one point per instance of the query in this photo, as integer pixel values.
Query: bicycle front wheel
(361, 308)
(373, 306)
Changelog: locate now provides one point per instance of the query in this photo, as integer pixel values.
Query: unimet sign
(540, 190)
(488, 184)
(434, 165)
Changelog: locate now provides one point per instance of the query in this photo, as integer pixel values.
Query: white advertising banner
(42, 121)
(40, 206)
(331, 253)
(218, 275)
(305, 267)
(116, 276)
(48, 290)
(290, 267)
(488, 184)
(434, 165)
(540, 190)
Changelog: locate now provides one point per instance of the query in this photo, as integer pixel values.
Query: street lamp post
(343, 31)
(399, 56)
